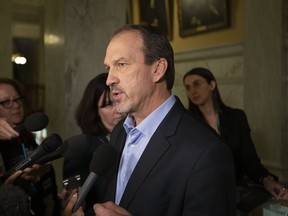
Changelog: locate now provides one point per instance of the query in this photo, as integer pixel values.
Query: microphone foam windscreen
(103, 158)
(36, 121)
(52, 142)
(75, 146)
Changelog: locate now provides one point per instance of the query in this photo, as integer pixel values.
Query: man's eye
(121, 65)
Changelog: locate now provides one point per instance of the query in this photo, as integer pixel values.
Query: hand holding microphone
(6, 130)
(51, 143)
(35, 122)
(35, 172)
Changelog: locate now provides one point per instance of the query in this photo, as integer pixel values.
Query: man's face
(130, 79)
(14, 113)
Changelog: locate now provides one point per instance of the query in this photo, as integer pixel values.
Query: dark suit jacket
(235, 132)
(184, 170)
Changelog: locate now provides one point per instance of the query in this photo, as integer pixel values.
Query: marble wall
(265, 81)
(75, 48)
(76, 34)
(226, 63)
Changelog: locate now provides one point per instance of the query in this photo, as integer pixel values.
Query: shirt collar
(149, 125)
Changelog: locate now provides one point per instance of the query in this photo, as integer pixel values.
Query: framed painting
(157, 13)
(198, 16)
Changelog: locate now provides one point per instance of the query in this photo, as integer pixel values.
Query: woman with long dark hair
(96, 115)
(232, 126)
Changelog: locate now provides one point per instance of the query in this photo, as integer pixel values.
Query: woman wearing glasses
(232, 126)
(15, 145)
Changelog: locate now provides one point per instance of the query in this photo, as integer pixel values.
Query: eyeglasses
(10, 102)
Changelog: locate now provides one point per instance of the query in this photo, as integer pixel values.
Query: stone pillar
(265, 96)
(5, 39)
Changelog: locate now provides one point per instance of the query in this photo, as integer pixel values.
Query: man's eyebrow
(115, 61)
(198, 80)
(120, 59)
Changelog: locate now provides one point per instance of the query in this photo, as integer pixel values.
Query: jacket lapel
(119, 142)
(225, 124)
(156, 148)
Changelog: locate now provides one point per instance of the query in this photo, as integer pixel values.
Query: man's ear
(160, 70)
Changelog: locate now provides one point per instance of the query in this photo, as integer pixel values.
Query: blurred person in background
(96, 115)
(232, 126)
(38, 182)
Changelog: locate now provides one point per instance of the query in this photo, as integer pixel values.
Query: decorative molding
(35, 3)
(210, 53)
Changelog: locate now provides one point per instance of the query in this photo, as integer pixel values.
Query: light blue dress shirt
(136, 141)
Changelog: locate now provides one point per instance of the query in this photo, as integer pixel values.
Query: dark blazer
(184, 170)
(235, 131)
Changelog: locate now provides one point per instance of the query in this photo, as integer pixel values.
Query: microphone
(102, 160)
(51, 143)
(34, 122)
(72, 147)
(50, 157)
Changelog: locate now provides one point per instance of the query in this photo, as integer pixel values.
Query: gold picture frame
(199, 16)
(154, 12)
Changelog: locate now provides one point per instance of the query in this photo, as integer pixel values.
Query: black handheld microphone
(102, 160)
(34, 122)
(50, 157)
(51, 143)
(72, 147)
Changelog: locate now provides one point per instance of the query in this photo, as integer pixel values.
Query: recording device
(35, 122)
(102, 160)
(72, 185)
(51, 143)
(72, 147)
(72, 182)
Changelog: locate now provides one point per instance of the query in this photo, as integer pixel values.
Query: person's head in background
(12, 99)
(201, 89)
(96, 113)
